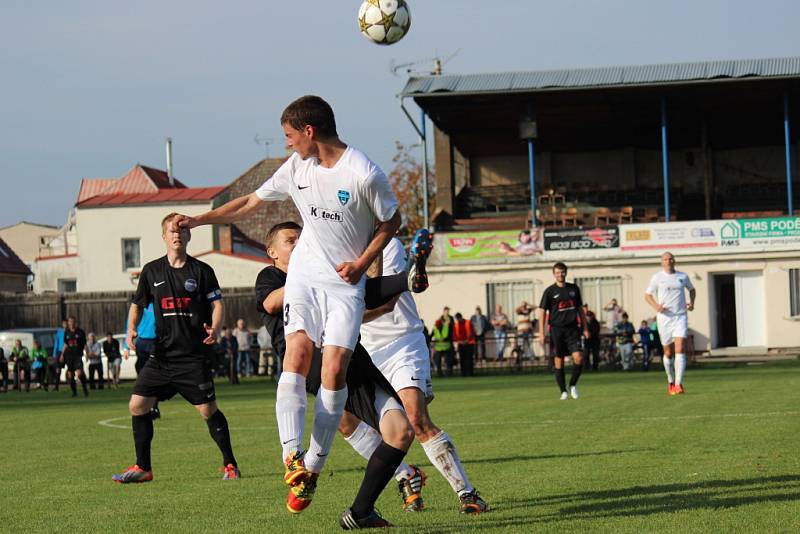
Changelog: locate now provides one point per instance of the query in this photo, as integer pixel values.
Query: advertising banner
(692, 237)
(774, 233)
(478, 246)
(581, 238)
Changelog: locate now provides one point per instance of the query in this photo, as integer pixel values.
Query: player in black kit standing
(72, 355)
(564, 307)
(186, 300)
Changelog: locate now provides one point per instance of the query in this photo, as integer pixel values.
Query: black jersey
(181, 304)
(562, 303)
(74, 342)
(268, 280)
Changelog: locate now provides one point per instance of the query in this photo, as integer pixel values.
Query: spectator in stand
(3, 371)
(244, 363)
(591, 346)
(266, 362)
(94, 357)
(480, 325)
(525, 328)
(231, 349)
(464, 339)
(613, 313)
(500, 325)
(645, 339)
(443, 347)
(39, 364)
(624, 331)
(22, 366)
(113, 359)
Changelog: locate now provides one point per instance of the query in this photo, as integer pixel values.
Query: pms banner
(581, 238)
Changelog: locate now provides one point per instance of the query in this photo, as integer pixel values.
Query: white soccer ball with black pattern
(384, 22)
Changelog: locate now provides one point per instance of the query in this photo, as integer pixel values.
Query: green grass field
(623, 458)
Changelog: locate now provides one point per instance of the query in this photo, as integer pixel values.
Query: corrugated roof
(164, 196)
(602, 76)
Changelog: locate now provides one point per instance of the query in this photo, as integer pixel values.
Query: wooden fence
(103, 312)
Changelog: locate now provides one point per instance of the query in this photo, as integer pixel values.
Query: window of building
(598, 291)
(508, 294)
(794, 292)
(67, 285)
(130, 254)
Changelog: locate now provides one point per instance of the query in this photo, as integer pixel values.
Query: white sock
(366, 439)
(290, 408)
(680, 367)
(443, 455)
(668, 368)
(328, 409)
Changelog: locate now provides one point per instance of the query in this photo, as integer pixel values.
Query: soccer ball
(384, 22)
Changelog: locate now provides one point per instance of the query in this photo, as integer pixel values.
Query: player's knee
(138, 405)
(348, 424)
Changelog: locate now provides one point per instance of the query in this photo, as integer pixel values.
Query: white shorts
(671, 327)
(406, 363)
(384, 403)
(328, 317)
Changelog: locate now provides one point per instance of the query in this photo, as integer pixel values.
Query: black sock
(73, 386)
(382, 289)
(561, 380)
(218, 428)
(142, 437)
(577, 369)
(380, 470)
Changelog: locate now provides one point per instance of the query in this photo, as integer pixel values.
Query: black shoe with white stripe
(373, 520)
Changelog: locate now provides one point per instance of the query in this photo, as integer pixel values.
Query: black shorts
(162, 378)
(362, 380)
(566, 341)
(73, 362)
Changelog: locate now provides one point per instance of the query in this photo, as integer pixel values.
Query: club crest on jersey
(190, 285)
(344, 197)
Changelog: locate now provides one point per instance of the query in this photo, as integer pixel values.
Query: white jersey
(668, 290)
(340, 208)
(401, 321)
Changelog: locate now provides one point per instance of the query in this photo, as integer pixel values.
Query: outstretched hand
(181, 221)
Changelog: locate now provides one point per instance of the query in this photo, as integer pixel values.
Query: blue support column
(665, 157)
(424, 140)
(532, 178)
(788, 142)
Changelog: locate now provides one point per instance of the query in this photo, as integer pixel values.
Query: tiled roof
(10, 262)
(164, 196)
(140, 179)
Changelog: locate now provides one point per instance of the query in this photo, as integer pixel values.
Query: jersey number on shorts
(286, 315)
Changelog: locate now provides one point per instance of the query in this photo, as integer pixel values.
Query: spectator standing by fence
(72, 355)
(480, 325)
(266, 361)
(613, 314)
(464, 339)
(113, 359)
(591, 346)
(624, 331)
(22, 365)
(244, 363)
(39, 364)
(525, 328)
(231, 349)
(500, 325)
(94, 359)
(443, 347)
(645, 340)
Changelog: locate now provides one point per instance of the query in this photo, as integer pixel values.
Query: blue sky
(90, 88)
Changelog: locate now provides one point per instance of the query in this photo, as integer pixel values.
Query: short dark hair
(560, 265)
(313, 111)
(109, 334)
(286, 225)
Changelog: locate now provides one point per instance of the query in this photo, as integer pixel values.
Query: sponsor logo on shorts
(326, 214)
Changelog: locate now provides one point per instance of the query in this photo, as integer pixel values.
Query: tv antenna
(266, 141)
(411, 68)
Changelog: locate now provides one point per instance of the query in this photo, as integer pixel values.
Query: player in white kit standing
(666, 294)
(398, 349)
(349, 215)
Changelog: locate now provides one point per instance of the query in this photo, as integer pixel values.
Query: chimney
(169, 162)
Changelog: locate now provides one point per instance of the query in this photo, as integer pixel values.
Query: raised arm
(230, 212)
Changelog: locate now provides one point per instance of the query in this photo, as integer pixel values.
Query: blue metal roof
(505, 82)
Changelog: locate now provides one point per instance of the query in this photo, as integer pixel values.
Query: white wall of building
(233, 271)
(100, 234)
(48, 271)
(463, 287)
